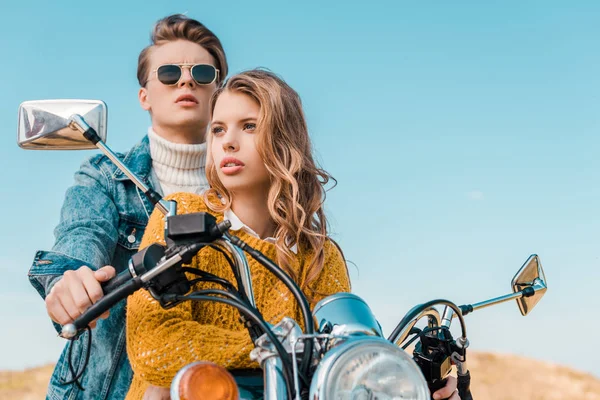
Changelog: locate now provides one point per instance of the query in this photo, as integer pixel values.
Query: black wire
(194, 248)
(224, 293)
(208, 277)
(71, 369)
(418, 309)
(236, 273)
(256, 318)
(229, 260)
(78, 375)
(291, 285)
(252, 329)
(294, 289)
(210, 280)
(264, 327)
(421, 333)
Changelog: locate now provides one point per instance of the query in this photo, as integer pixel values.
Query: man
(104, 215)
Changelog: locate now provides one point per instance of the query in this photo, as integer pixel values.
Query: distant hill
(494, 377)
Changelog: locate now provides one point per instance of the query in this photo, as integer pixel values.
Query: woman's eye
(249, 126)
(216, 130)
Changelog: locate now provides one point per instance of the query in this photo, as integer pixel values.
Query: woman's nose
(230, 144)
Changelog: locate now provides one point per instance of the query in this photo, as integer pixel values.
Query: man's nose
(186, 77)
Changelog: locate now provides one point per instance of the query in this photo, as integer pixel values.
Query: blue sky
(464, 137)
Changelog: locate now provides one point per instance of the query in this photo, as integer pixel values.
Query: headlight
(368, 368)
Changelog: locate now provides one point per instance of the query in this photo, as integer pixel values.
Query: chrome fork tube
(275, 387)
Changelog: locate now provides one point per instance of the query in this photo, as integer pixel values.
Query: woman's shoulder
(333, 277)
(332, 249)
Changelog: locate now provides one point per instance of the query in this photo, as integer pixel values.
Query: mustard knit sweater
(160, 342)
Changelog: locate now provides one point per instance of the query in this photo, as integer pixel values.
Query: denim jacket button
(131, 239)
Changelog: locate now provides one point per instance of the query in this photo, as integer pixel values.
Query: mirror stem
(77, 122)
(526, 292)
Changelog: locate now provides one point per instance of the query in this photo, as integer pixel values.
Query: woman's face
(182, 108)
(233, 144)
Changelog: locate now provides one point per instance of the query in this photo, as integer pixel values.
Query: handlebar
(113, 284)
(118, 288)
(101, 306)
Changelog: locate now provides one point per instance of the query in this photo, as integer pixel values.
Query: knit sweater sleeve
(160, 342)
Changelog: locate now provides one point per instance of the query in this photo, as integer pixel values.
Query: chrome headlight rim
(321, 380)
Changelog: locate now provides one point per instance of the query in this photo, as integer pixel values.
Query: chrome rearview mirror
(45, 124)
(75, 125)
(528, 286)
(530, 275)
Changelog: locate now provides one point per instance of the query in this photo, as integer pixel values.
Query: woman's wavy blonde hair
(297, 190)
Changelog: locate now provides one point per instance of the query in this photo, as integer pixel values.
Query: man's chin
(188, 123)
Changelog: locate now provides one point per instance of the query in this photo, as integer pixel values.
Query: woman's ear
(143, 97)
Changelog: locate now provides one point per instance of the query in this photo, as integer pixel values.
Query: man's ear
(143, 97)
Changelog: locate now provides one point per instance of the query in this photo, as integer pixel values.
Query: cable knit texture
(160, 342)
(179, 167)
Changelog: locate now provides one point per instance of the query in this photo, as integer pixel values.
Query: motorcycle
(345, 356)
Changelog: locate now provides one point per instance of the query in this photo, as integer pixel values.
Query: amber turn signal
(204, 381)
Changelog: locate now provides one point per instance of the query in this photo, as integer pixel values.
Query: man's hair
(179, 27)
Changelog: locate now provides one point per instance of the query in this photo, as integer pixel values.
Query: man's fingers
(79, 291)
(75, 292)
(69, 306)
(157, 393)
(56, 311)
(448, 390)
(92, 287)
(105, 273)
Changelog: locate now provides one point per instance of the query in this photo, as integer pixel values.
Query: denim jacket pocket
(130, 234)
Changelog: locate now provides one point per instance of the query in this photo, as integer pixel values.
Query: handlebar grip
(464, 386)
(100, 307)
(114, 283)
(140, 263)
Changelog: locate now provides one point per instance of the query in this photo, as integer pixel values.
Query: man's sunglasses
(170, 74)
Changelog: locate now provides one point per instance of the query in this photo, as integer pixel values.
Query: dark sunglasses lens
(204, 74)
(169, 74)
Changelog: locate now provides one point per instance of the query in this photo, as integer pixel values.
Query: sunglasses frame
(190, 66)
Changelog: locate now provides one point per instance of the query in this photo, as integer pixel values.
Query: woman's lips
(231, 165)
(232, 170)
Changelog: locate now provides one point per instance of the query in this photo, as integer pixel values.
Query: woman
(264, 180)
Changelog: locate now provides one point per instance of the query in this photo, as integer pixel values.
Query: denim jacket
(102, 222)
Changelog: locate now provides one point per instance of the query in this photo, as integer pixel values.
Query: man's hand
(75, 292)
(157, 393)
(448, 390)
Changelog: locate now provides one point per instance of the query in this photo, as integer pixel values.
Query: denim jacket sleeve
(87, 232)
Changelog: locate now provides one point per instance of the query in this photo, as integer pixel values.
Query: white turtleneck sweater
(178, 167)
